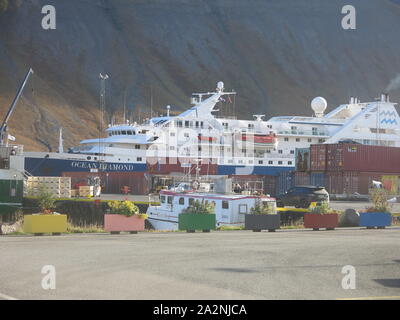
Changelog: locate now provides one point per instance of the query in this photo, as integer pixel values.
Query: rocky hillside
(276, 54)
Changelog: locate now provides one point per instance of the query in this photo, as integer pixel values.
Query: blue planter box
(375, 219)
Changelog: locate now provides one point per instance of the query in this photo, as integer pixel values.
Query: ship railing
(11, 150)
(302, 133)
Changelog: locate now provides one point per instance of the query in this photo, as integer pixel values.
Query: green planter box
(197, 221)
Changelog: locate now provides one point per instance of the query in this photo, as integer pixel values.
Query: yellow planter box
(45, 223)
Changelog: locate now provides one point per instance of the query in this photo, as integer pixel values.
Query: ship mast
(103, 79)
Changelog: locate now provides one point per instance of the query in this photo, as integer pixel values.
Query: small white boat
(230, 209)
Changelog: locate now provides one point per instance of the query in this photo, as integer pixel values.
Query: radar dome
(220, 85)
(319, 105)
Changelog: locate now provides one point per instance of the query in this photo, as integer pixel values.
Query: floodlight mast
(3, 128)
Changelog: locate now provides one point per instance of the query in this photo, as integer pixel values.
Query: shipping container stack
(346, 169)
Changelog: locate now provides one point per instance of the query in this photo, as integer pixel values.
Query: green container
(197, 221)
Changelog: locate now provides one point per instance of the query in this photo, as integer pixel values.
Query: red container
(167, 166)
(113, 182)
(362, 158)
(301, 178)
(317, 221)
(318, 157)
(270, 185)
(342, 182)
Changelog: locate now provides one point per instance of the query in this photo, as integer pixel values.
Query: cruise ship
(198, 139)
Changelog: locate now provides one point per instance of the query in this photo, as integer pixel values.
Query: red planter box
(316, 221)
(118, 222)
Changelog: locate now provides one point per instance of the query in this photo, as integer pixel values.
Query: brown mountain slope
(276, 54)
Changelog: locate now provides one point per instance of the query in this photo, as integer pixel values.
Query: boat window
(123, 132)
(181, 200)
(170, 200)
(243, 208)
(225, 205)
(129, 132)
(162, 199)
(137, 146)
(187, 124)
(191, 201)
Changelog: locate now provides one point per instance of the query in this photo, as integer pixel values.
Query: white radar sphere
(319, 104)
(220, 85)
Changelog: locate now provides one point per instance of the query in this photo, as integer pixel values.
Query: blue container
(317, 179)
(285, 181)
(375, 219)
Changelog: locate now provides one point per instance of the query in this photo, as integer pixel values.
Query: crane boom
(12, 107)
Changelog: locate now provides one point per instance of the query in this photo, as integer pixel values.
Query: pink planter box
(118, 223)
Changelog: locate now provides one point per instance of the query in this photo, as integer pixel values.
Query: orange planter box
(316, 221)
(119, 222)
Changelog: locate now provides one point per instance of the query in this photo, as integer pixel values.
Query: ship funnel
(384, 97)
(319, 105)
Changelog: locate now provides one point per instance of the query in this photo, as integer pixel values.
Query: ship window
(291, 151)
(260, 162)
(286, 139)
(250, 161)
(139, 159)
(270, 162)
(123, 132)
(169, 200)
(280, 151)
(309, 140)
(181, 201)
(172, 134)
(171, 148)
(297, 139)
(162, 198)
(268, 151)
(201, 124)
(243, 208)
(269, 126)
(89, 157)
(186, 135)
(197, 124)
(191, 201)
(137, 146)
(186, 124)
(321, 140)
(225, 205)
(289, 162)
(279, 162)
(179, 123)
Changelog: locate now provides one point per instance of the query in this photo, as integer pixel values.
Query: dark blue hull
(55, 167)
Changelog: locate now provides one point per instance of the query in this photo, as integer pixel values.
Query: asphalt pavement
(287, 264)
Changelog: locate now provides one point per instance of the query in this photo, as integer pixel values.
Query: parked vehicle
(302, 196)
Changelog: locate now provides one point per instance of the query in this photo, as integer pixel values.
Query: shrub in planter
(321, 216)
(198, 216)
(46, 221)
(378, 215)
(123, 216)
(262, 217)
